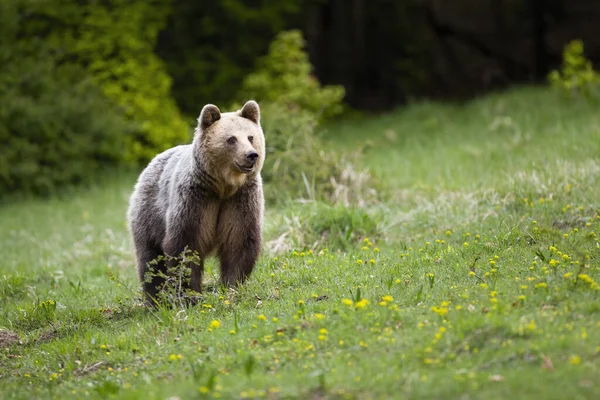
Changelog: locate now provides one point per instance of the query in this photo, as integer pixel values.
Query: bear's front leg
(240, 234)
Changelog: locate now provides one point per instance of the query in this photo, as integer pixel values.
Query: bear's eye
(232, 140)
(250, 138)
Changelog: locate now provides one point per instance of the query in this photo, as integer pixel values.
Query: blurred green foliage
(293, 103)
(210, 46)
(300, 164)
(576, 76)
(284, 76)
(55, 126)
(85, 88)
(114, 41)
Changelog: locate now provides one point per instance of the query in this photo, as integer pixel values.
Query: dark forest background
(382, 51)
(86, 84)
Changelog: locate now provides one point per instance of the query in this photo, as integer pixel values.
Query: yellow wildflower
(575, 360)
(442, 311)
(362, 303)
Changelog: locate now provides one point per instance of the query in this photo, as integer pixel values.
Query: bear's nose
(252, 156)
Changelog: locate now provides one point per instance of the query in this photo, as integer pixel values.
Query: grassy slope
(481, 199)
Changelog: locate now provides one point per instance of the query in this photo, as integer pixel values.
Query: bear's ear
(209, 115)
(251, 111)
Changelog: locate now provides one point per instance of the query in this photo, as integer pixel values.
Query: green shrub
(114, 41)
(576, 76)
(55, 126)
(293, 102)
(54, 133)
(300, 165)
(284, 76)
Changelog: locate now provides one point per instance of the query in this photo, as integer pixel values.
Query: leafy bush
(284, 76)
(577, 76)
(54, 133)
(55, 126)
(293, 103)
(300, 165)
(114, 41)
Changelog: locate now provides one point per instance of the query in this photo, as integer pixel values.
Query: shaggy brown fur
(206, 196)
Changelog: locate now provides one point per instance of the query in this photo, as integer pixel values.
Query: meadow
(475, 276)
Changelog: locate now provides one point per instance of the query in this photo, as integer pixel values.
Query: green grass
(486, 241)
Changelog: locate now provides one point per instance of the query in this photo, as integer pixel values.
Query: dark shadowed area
(383, 51)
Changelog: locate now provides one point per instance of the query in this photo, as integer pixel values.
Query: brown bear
(206, 197)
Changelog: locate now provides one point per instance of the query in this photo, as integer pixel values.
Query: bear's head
(231, 145)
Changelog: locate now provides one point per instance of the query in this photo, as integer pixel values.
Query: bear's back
(149, 202)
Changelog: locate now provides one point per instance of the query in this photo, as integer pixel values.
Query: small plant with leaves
(46, 309)
(174, 273)
(576, 77)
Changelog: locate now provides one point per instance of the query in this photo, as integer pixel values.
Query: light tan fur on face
(222, 158)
